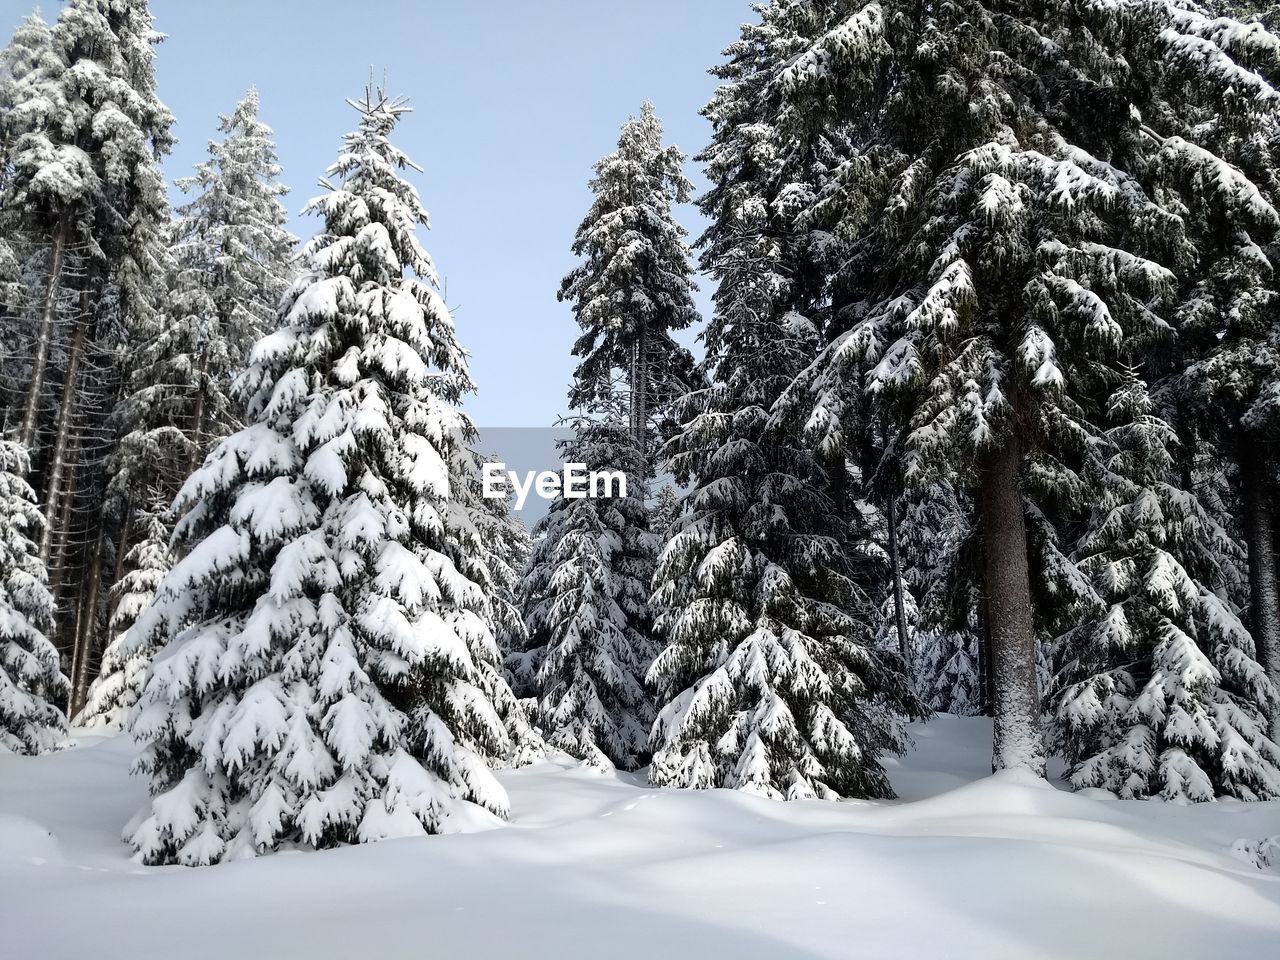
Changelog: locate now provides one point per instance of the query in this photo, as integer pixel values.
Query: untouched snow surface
(964, 865)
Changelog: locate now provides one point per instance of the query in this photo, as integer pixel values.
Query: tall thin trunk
(640, 391)
(44, 334)
(60, 548)
(1019, 741)
(87, 627)
(1256, 494)
(197, 419)
(900, 613)
(58, 457)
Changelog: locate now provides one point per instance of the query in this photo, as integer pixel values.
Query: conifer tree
(586, 596)
(937, 536)
(1168, 699)
(122, 676)
(31, 680)
(633, 287)
(86, 181)
(327, 674)
(231, 264)
(1005, 247)
(87, 202)
(771, 680)
(1220, 163)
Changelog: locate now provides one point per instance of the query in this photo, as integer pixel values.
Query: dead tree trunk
(44, 333)
(1256, 495)
(1019, 741)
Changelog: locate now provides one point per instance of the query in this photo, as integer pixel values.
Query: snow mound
(24, 841)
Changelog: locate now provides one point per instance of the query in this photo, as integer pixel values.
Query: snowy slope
(964, 865)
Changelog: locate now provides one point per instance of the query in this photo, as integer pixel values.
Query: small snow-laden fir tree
(31, 680)
(937, 541)
(586, 594)
(633, 286)
(1168, 699)
(125, 660)
(492, 547)
(771, 681)
(327, 667)
(666, 510)
(507, 546)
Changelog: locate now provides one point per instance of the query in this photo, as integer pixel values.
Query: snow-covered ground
(964, 865)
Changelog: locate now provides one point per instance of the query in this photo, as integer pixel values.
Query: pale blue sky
(513, 101)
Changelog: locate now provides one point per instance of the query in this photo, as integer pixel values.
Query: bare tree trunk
(87, 627)
(1264, 579)
(44, 334)
(900, 614)
(197, 421)
(1019, 741)
(639, 391)
(60, 546)
(58, 457)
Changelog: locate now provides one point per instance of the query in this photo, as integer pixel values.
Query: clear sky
(514, 100)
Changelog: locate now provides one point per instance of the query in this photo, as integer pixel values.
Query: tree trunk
(87, 628)
(639, 392)
(44, 334)
(1019, 741)
(1252, 455)
(58, 457)
(900, 614)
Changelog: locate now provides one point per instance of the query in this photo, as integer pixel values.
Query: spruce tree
(1219, 160)
(125, 660)
(86, 200)
(327, 670)
(771, 680)
(1168, 699)
(937, 540)
(507, 547)
(31, 680)
(231, 264)
(633, 287)
(586, 602)
(1007, 252)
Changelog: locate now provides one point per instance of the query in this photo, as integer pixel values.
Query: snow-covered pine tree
(666, 510)
(31, 681)
(937, 541)
(490, 548)
(633, 287)
(325, 658)
(231, 264)
(89, 204)
(85, 178)
(1167, 697)
(771, 680)
(1014, 253)
(125, 660)
(231, 258)
(586, 602)
(507, 546)
(1218, 157)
